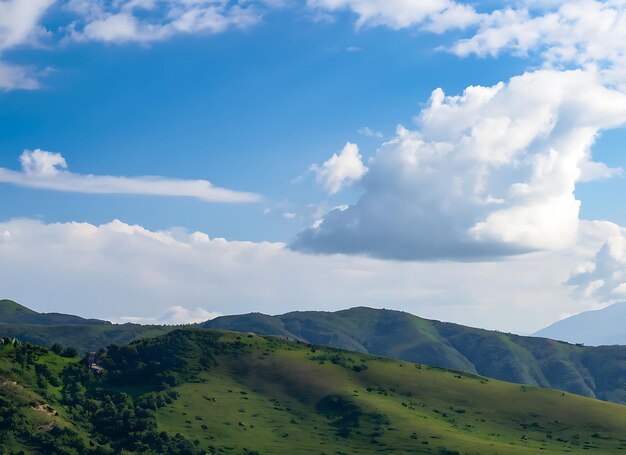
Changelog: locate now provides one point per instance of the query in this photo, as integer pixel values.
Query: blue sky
(250, 110)
(252, 105)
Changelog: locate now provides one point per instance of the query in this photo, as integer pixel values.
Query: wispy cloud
(46, 170)
(19, 25)
(368, 132)
(436, 15)
(157, 20)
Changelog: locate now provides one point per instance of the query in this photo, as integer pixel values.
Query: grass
(271, 396)
(591, 371)
(267, 399)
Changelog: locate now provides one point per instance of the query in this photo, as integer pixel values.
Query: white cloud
(46, 170)
(566, 34)
(583, 33)
(368, 132)
(157, 20)
(604, 278)
(487, 173)
(19, 25)
(174, 316)
(341, 170)
(437, 15)
(124, 270)
(41, 163)
(120, 21)
(13, 77)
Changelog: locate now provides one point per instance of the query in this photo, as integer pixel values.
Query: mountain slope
(594, 328)
(17, 321)
(200, 391)
(14, 313)
(593, 372)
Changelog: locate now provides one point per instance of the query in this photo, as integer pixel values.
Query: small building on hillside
(92, 363)
(96, 368)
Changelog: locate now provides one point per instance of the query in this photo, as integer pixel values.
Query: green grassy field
(243, 394)
(270, 399)
(597, 372)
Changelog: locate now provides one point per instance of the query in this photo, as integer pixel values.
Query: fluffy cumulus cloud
(490, 172)
(604, 276)
(19, 25)
(579, 31)
(583, 33)
(173, 316)
(437, 15)
(157, 20)
(47, 170)
(116, 271)
(341, 170)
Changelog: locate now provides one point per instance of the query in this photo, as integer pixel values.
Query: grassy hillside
(17, 321)
(200, 391)
(14, 313)
(31, 419)
(593, 372)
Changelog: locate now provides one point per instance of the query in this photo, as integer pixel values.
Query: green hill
(17, 321)
(202, 391)
(598, 372)
(14, 313)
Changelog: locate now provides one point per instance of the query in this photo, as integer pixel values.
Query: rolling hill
(13, 313)
(595, 328)
(203, 391)
(44, 329)
(598, 372)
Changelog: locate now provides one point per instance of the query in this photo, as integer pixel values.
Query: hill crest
(12, 312)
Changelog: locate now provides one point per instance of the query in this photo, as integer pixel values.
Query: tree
(69, 352)
(57, 348)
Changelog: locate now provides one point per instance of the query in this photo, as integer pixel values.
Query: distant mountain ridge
(44, 329)
(596, 372)
(595, 328)
(13, 313)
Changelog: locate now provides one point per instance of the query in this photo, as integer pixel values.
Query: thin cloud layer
(126, 21)
(437, 15)
(19, 25)
(488, 173)
(125, 270)
(156, 20)
(46, 170)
